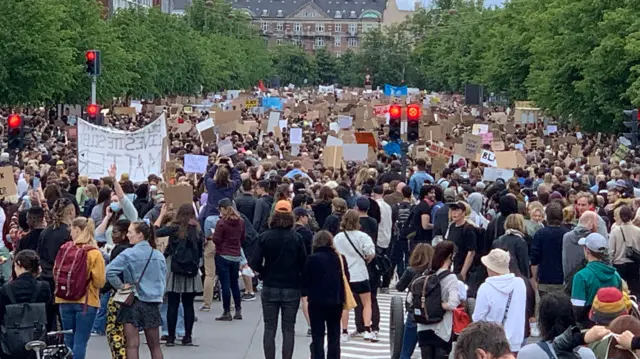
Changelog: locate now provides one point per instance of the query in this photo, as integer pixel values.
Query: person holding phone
(222, 181)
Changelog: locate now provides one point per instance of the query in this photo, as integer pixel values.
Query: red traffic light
(395, 111)
(91, 55)
(14, 121)
(414, 112)
(92, 110)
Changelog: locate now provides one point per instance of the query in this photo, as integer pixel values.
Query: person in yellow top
(78, 308)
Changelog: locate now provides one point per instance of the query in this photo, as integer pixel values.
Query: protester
(623, 238)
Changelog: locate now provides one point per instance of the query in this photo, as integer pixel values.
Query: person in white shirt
(358, 249)
(384, 233)
(502, 298)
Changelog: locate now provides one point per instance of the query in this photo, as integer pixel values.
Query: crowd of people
(552, 253)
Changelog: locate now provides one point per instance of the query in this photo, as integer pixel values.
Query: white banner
(326, 89)
(138, 153)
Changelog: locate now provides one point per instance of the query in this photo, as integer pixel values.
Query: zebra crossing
(358, 348)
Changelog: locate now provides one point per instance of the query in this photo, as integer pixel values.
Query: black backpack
(185, 259)
(426, 295)
(402, 221)
(23, 322)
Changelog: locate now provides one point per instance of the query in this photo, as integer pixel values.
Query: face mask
(115, 206)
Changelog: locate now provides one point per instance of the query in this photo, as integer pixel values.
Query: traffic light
(395, 115)
(15, 132)
(631, 122)
(92, 111)
(93, 62)
(414, 113)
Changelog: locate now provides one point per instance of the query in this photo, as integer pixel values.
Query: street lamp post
(208, 4)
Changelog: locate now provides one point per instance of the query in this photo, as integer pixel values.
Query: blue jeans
(409, 339)
(163, 313)
(79, 318)
(228, 276)
(100, 323)
(209, 224)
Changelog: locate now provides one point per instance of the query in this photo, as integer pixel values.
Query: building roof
(329, 9)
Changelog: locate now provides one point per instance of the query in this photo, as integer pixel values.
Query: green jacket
(587, 281)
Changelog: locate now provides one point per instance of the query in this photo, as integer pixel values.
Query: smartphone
(224, 160)
(36, 182)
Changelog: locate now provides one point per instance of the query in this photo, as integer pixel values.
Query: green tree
(327, 66)
(293, 65)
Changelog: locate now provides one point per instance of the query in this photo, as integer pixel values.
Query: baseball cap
(457, 205)
(362, 203)
(300, 212)
(283, 206)
(595, 242)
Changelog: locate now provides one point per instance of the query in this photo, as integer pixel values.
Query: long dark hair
(222, 177)
(555, 315)
(104, 198)
(121, 226)
(443, 250)
(184, 218)
(281, 220)
(29, 260)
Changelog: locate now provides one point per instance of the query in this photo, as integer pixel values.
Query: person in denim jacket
(149, 285)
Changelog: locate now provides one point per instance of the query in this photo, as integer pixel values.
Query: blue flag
(273, 103)
(395, 90)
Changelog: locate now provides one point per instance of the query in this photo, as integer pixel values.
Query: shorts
(360, 287)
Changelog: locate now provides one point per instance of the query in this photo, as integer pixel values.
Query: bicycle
(53, 348)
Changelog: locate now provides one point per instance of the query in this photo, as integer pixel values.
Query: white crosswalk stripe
(358, 348)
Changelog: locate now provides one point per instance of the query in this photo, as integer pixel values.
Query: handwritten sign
(7, 184)
(471, 144)
(488, 158)
(251, 103)
(435, 150)
(492, 174)
(195, 164)
(137, 153)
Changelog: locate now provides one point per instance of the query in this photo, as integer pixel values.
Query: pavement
(240, 339)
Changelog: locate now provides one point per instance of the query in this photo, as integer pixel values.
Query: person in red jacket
(228, 237)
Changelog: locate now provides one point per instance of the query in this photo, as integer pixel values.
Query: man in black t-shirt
(463, 234)
(421, 218)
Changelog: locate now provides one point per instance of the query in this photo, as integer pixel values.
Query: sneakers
(374, 337)
(356, 334)
(535, 332)
(368, 336)
(309, 332)
(205, 308)
(344, 338)
(247, 297)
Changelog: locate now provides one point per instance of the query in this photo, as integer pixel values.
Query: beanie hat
(607, 306)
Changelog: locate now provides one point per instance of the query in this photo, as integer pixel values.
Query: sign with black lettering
(137, 153)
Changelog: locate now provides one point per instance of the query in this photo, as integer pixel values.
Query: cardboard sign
(435, 150)
(355, 152)
(492, 174)
(367, 138)
(251, 103)
(419, 151)
(479, 128)
(7, 184)
(488, 158)
(576, 151)
(178, 195)
(594, 161)
(128, 111)
(195, 163)
(497, 145)
(472, 145)
(510, 159)
(332, 156)
(486, 138)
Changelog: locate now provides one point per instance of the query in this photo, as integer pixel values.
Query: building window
(368, 27)
(280, 26)
(296, 41)
(265, 26)
(338, 54)
(297, 27)
(278, 41)
(319, 42)
(353, 42)
(337, 41)
(353, 28)
(337, 28)
(320, 27)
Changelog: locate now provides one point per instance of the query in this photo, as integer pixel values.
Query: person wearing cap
(597, 274)
(502, 298)
(280, 258)
(608, 304)
(463, 234)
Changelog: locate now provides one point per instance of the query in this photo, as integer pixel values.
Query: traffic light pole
(94, 80)
(404, 148)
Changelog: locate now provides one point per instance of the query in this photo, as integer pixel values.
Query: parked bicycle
(53, 348)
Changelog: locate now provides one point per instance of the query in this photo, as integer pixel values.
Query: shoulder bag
(349, 299)
(506, 310)
(630, 252)
(125, 297)
(381, 263)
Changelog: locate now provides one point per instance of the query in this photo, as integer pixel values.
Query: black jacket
(30, 240)
(321, 210)
(23, 288)
(262, 213)
(142, 206)
(119, 248)
(48, 246)
(280, 258)
(322, 278)
(306, 235)
(518, 251)
(246, 204)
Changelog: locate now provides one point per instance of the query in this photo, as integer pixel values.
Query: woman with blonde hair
(78, 306)
(514, 241)
(338, 209)
(81, 195)
(359, 249)
(536, 218)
